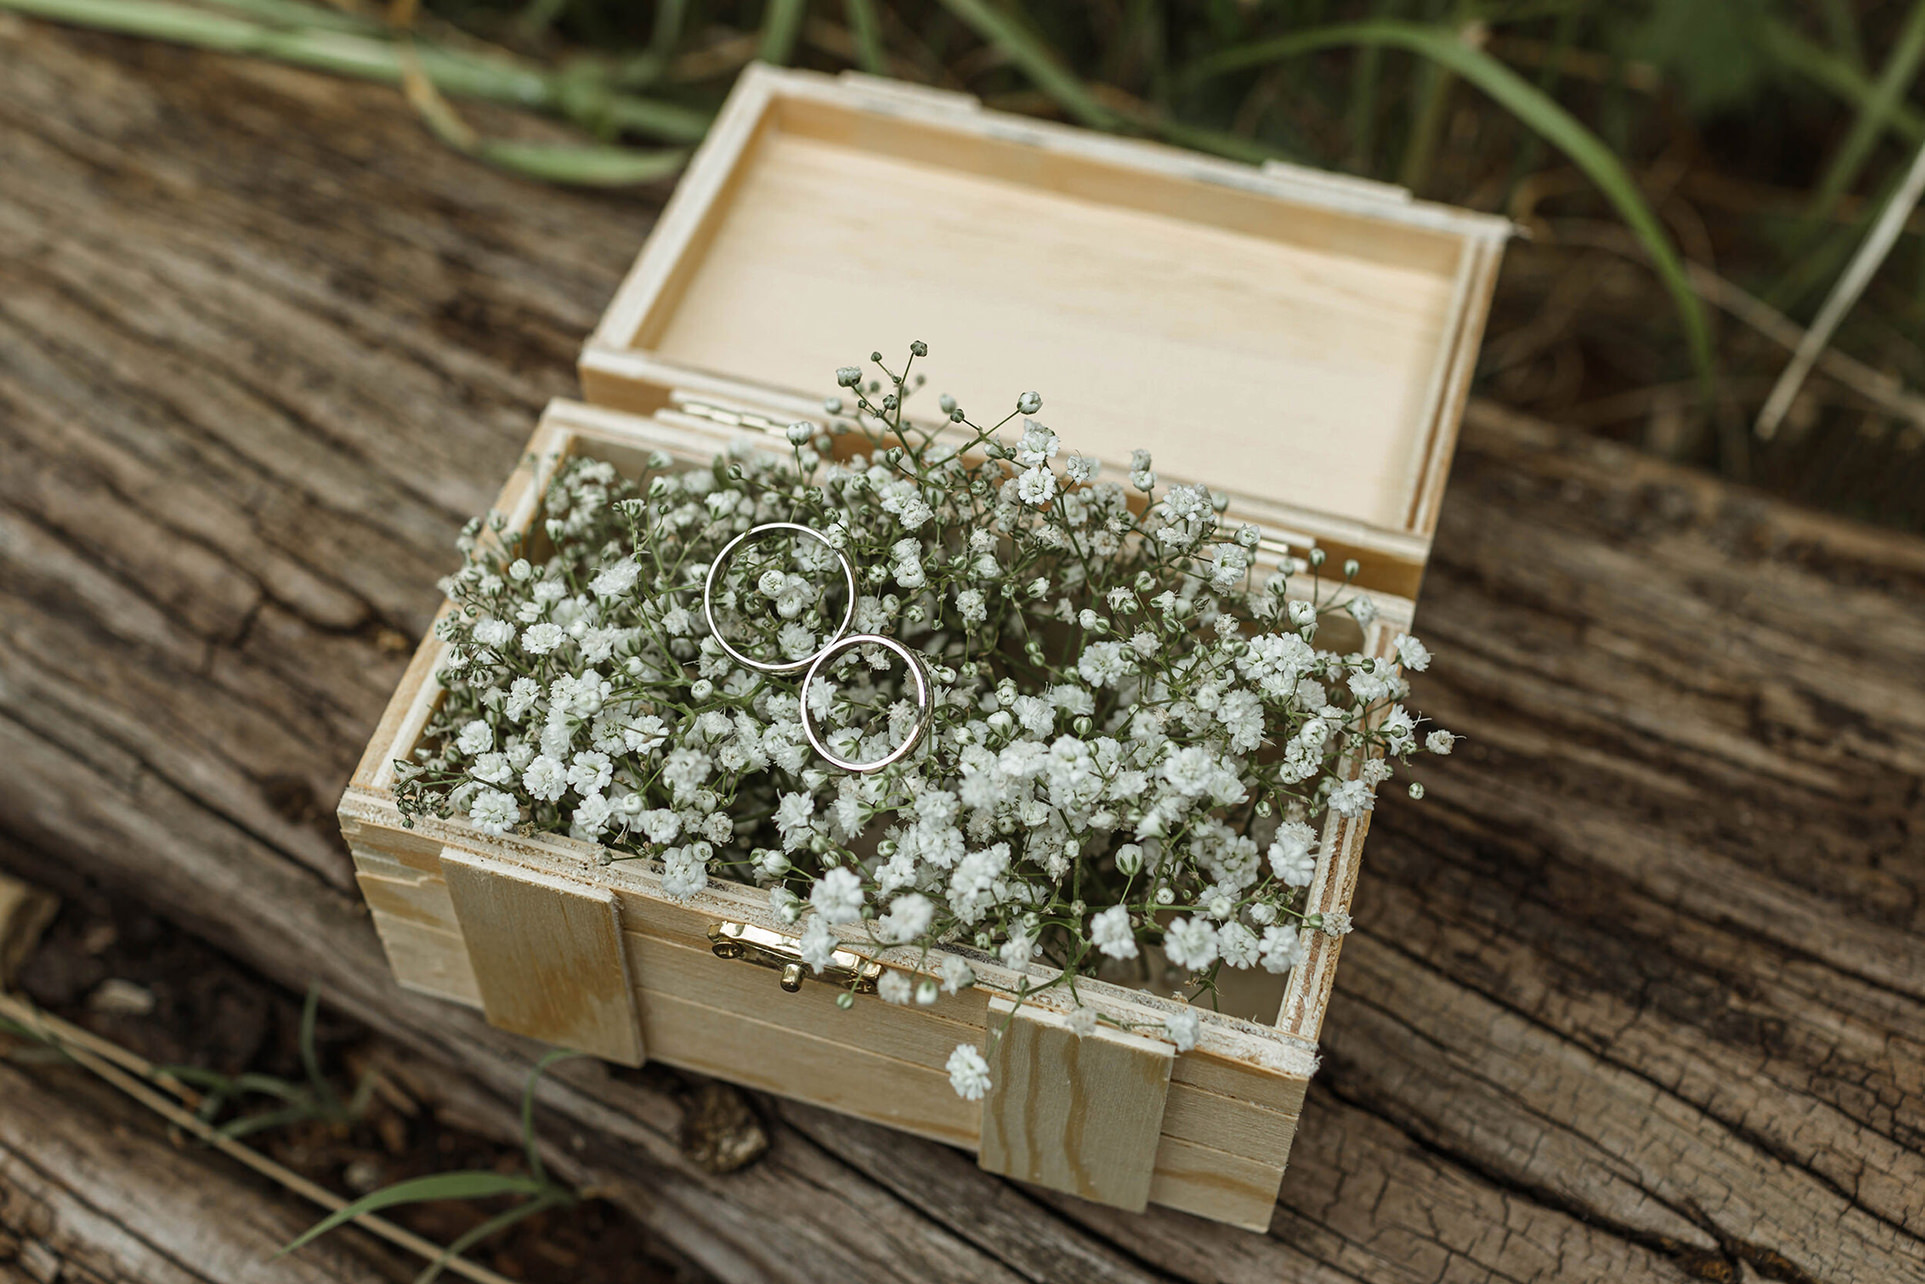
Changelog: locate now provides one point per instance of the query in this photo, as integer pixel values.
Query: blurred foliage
(1764, 137)
(1694, 174)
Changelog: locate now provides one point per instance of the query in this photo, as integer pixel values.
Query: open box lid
(1301, 340)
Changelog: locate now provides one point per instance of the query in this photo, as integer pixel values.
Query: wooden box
(1299, 340)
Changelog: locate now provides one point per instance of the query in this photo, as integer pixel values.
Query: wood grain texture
(546, 954)
(25, 912)
(1079, 1114)
(92, 1192)
(1635, 993)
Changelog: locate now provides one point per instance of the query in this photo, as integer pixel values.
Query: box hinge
(1288, 548)
(731, 416)
(1079, 1113)
(547, 955)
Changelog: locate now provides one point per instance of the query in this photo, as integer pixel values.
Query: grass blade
(647, 67)
(1530, 105)
(578, 164)
(1874, 116)
(469, 1184)
(865, 24)
(1857, 275)
(248, 1124)
(266, 1085)
(295, 13)
(494, 1225)
(1794, 53)
(466, 75)
(581, 164)
(1036, 60)
(528, 1141)
(781, 24)
(310, 1054)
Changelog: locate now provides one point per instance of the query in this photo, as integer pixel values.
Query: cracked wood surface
(93, 1192)
(1638, 992)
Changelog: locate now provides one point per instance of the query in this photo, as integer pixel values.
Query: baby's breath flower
(1292, 857)
(1036, 486)
(837, 896)
(956, 974)
(545, 778)
(1280, 948)
(1411, 653)
(1191, 943)
(1110, 933)
(493, 811)
(540, 639)
(818, 944)
(1128, 742)
(968, 1072)
(476, 737)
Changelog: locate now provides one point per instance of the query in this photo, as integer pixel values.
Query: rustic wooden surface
(1637, 994)
(92, 1192)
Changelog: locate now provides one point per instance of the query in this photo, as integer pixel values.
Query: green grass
(1753, 138)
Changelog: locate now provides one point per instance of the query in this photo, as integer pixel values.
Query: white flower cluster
(1133, 734)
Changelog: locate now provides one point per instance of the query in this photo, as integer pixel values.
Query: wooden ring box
(1300, 341)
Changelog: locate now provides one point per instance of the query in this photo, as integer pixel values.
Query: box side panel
(547, 955)
(1081, 1114)
(1220, 1155)
(1212, 1184)
(412, 916)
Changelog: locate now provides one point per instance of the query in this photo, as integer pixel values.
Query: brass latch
(760, 946)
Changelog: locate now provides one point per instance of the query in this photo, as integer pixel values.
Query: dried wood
(91, 1191)
(1636, 992)
(25, 912)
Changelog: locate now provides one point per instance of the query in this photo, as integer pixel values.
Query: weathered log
(1638, 992)
(91, 1191)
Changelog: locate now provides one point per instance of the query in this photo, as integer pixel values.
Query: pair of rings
(839, 641)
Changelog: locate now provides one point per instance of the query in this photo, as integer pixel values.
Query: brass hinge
(733, 417)
(760, 946)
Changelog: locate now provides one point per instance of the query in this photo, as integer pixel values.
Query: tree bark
(1637, 993)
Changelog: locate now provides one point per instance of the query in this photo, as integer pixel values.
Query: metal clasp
(760, 946)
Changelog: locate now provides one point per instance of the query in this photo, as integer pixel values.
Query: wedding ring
(925, 701)
(721, 559)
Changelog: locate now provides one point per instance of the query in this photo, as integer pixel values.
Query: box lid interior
(1280, 347)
